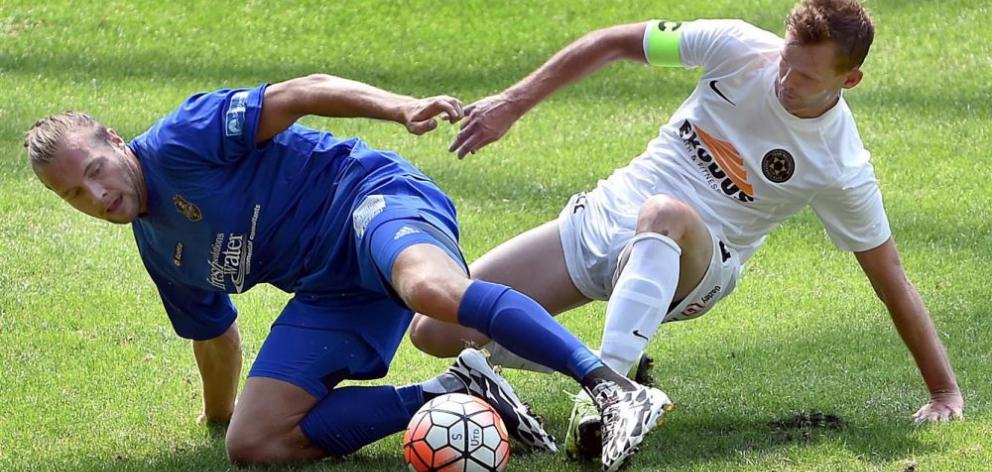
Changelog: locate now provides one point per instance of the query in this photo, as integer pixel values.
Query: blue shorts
(391, 216)
(300, 351)
(320, 339)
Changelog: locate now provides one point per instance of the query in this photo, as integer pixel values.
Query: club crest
(778, 165)
(187, 209)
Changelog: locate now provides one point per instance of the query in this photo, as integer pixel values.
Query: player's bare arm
(329, 96)
(912, 321)
(219, 361)
(490, 118)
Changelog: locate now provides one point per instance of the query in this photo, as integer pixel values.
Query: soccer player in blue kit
(227, 191)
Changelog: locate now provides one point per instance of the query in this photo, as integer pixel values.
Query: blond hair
(47, 134)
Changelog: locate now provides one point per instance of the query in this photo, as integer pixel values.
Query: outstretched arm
(326, 95)
(912, 321)
(219, 361)
(490, 118)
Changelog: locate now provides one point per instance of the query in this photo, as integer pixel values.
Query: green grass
(94, 379)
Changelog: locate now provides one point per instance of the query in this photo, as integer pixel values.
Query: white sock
(640, 299)
(499, 355)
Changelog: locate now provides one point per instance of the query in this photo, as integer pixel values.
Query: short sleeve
(712, 44)
(853, 215)
(212, 129)
(195, 313)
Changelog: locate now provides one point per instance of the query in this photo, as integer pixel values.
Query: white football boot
(483, 382)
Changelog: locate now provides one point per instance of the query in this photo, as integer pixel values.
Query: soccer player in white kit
(765, 134)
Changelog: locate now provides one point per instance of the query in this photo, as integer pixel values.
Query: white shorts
(595, 238)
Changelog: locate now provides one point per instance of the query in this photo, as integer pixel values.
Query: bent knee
(667, 215)
(244, 450)
(436, 296)
(262, 447)
(435, 337)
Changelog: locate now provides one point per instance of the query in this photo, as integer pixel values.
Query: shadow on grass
(212, 457)
(711, 440)
(209, 458)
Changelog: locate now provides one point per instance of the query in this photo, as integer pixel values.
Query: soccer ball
(456, 433)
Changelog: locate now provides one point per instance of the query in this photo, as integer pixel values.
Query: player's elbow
(296, 95)
(315, 80)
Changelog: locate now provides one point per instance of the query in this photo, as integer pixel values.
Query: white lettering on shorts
(362, 216)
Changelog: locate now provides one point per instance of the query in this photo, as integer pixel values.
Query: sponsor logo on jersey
(177, 255)
(234, 118)
(187, 209)
(230, 256)
(719, 160)
(778, 165)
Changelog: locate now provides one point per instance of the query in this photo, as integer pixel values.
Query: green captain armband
(661, 43)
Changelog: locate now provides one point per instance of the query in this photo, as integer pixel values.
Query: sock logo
(639, 335)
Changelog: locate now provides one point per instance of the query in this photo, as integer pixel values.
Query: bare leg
(533, 263)
(265, 428)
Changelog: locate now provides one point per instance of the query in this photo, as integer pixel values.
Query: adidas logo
(405, 231)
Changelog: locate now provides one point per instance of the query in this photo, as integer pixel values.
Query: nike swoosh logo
(641, 335)
(718, 92)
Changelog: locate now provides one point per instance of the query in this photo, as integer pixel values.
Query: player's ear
(853, 77)
(113, 137)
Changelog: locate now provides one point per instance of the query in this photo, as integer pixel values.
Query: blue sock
(525, 328)
(351, 417)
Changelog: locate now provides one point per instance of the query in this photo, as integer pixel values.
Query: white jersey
(733, 153)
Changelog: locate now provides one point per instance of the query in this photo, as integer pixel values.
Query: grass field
(94, 379)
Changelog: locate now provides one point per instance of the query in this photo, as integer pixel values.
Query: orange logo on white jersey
(720, 159)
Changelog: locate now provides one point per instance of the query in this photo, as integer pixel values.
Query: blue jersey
(225, 213)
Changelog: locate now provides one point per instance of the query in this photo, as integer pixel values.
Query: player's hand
(942, 407)
(487, 120)
(418, 115)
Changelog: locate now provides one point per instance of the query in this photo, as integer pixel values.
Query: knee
(433, 295)
(423, 336)
(245, 449)
(666, 215)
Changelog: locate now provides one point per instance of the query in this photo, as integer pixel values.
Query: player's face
(98, 178)
(808, 82)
